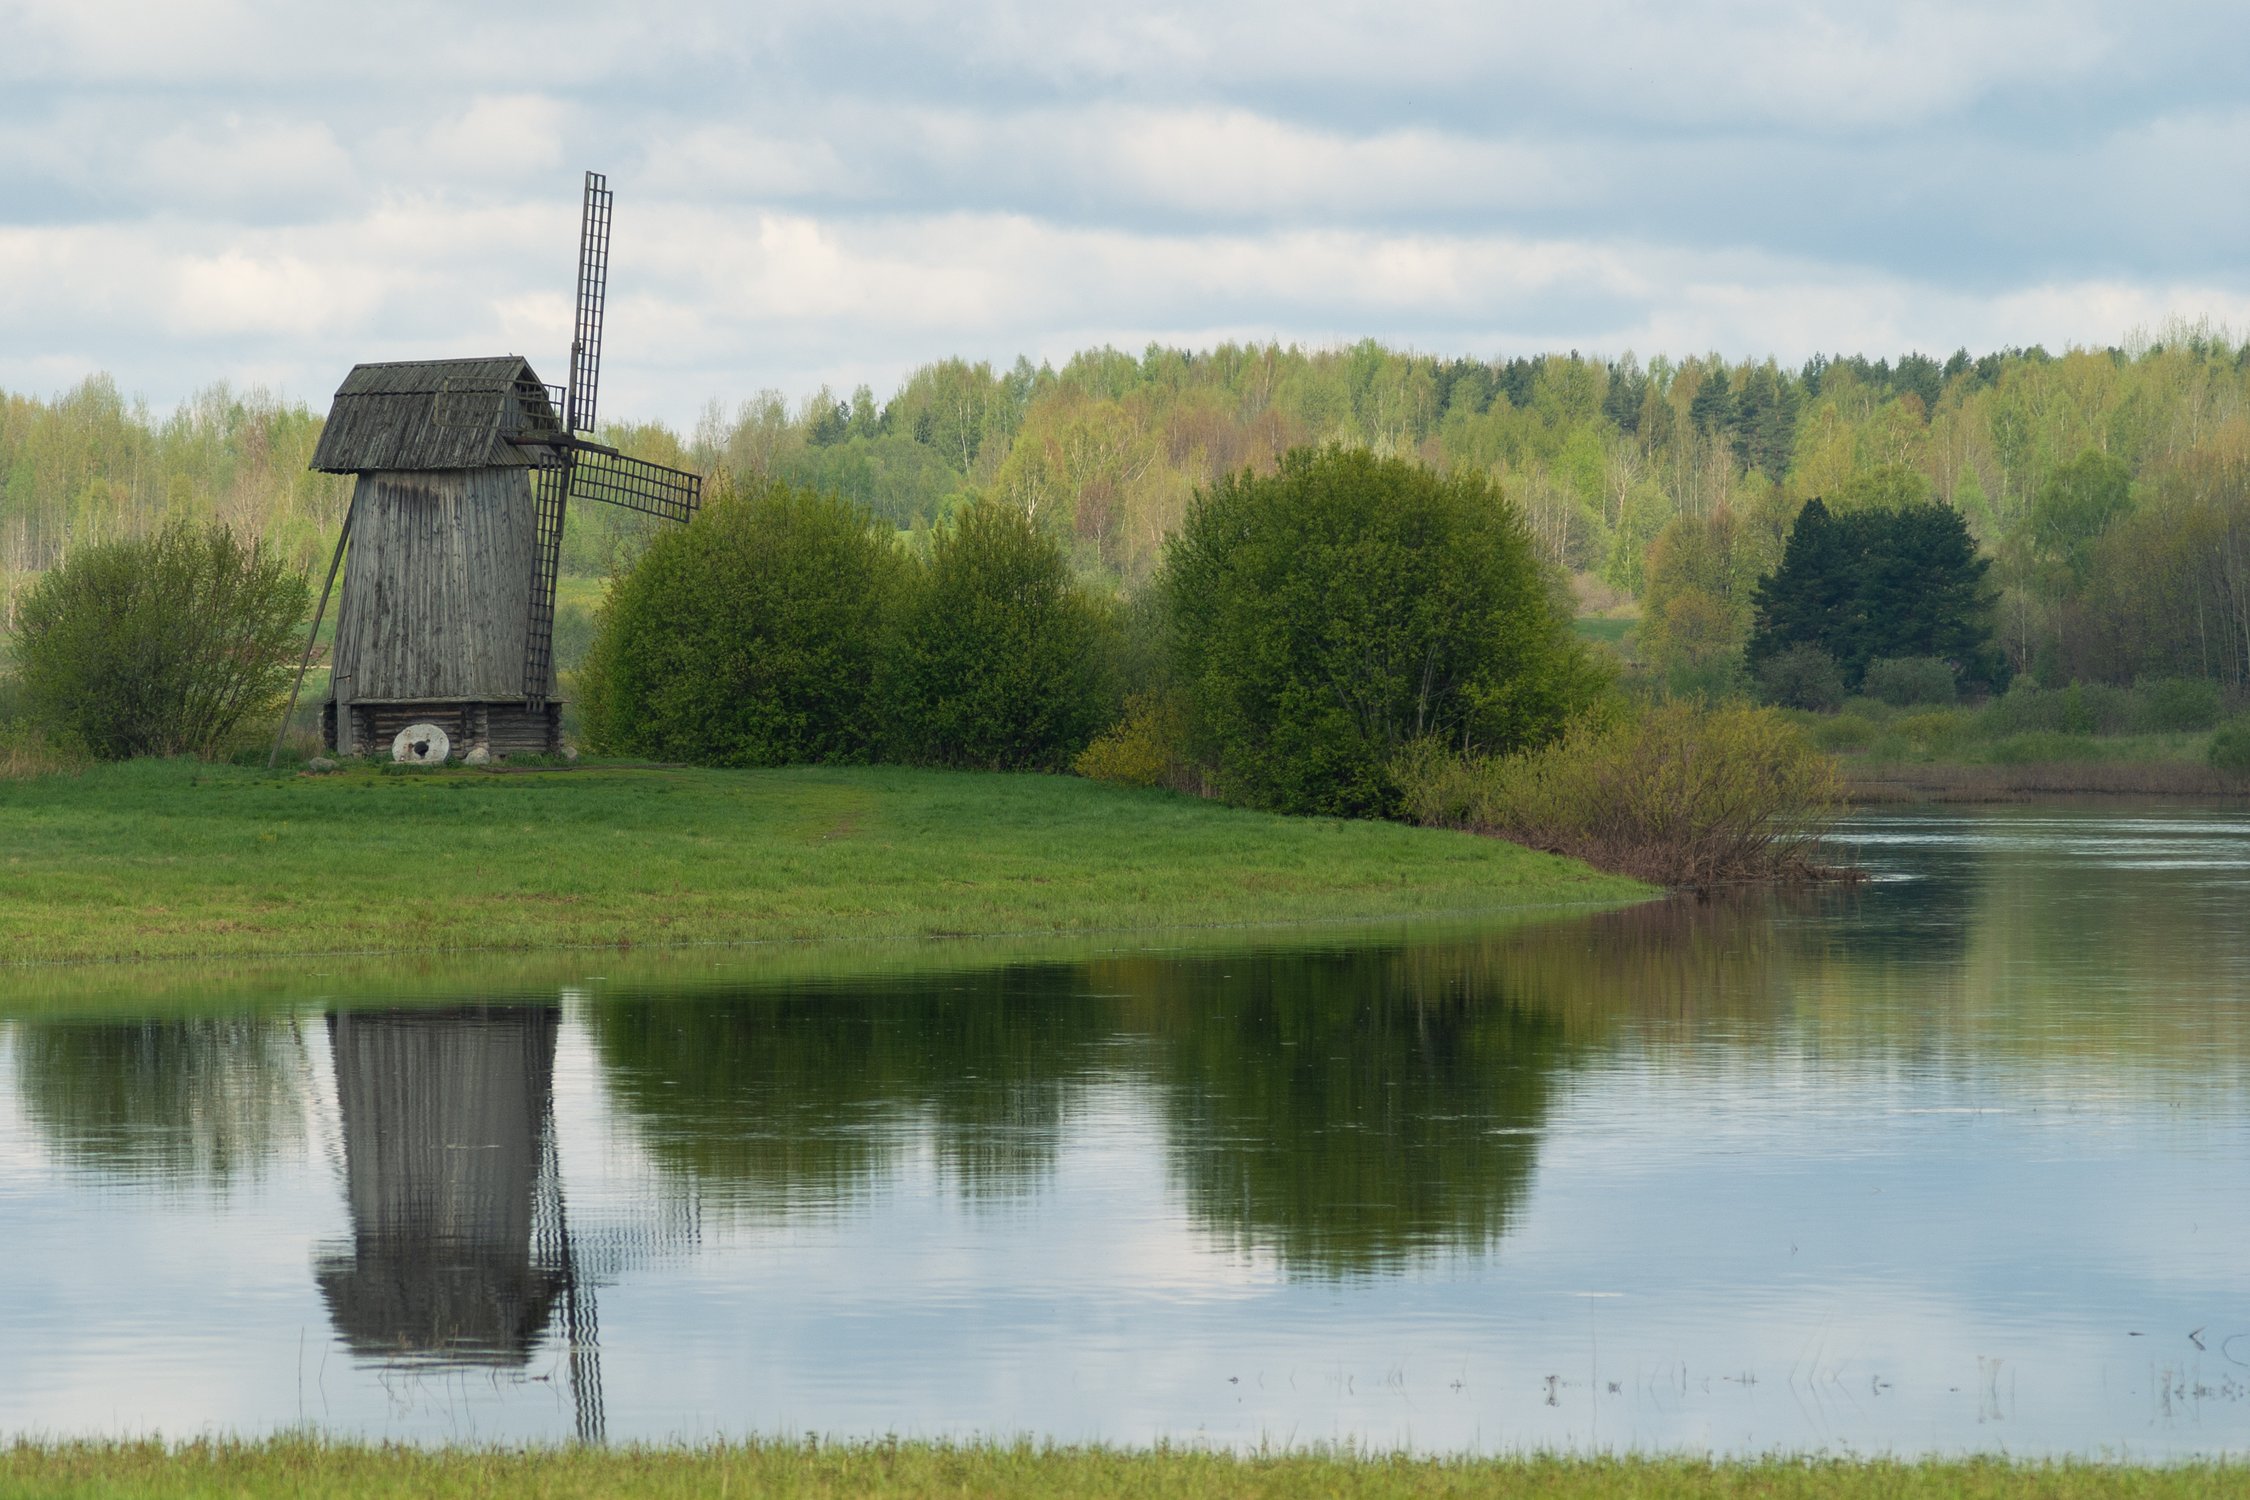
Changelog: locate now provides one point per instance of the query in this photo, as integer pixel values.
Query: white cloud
(200, 189)
(509, 138)
(233, 160)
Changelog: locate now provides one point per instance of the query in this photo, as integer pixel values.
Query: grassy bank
(295, 1468)
(171, 860)
(2085, 740)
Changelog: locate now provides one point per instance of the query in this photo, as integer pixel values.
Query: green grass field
(294, 1468)
(162, 860)
(1607, 629)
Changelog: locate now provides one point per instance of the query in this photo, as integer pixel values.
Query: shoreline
(1974, 781)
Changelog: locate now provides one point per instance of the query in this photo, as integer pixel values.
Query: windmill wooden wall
(437, 589)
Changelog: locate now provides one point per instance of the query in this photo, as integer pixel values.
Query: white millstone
(479, 756)
(421, 744)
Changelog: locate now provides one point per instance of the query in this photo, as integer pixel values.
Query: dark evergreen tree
(1887, 582)
(1807, 600)
(1464, 384)
(1922, 376)
(1922, 593)
(1628, 389)
(1712, 410)
(1765, 422)
(1518, 377)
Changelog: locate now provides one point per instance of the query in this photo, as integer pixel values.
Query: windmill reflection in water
(462, 1251)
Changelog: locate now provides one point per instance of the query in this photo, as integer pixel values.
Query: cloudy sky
(193, 190)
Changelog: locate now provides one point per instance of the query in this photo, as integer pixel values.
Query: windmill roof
(435, 414)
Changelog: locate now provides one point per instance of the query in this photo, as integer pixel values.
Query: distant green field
(177, 859)
(1609, 631)
(881, 1470)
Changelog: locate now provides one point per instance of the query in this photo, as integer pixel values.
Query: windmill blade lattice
(636, 484)
(593, 288)
(550, 488)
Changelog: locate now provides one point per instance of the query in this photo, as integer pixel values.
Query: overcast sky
(194, 190)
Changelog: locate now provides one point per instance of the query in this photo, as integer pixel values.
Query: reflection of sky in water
(1950, 1163)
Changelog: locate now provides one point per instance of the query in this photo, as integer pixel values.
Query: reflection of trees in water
(2131, 943)
(1345, 1109)
(1353, 1110)
(804, 1097)
(206, 1099)
(445, 1118)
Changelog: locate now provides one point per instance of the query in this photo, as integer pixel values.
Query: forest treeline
(2110, 488)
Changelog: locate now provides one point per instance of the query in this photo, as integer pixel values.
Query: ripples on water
(1952, 1161)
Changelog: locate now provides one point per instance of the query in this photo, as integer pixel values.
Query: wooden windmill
(452, 544)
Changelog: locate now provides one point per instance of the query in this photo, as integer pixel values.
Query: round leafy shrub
(170, 644)
(1844, 732)
(1325, 615)
(1933, 731)
(996, 661)
(1907, 681)
(2027, 708)
(1802, 676)
(1147, 746)
(748, 638)
(2177, 705)
(1679, 794)
(2230, 748)
(2099, 708)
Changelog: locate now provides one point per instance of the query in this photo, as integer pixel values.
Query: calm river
(1958, 1160)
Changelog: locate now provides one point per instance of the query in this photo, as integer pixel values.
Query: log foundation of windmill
(453, 542)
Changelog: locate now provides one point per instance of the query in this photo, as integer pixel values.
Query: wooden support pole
(281, 730)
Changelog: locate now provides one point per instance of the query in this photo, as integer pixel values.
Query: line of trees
(2109, 488)
(1306, 627)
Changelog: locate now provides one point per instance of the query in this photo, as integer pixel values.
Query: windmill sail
(580, 468)
(593, 288)
(550, 487)
(636, 484)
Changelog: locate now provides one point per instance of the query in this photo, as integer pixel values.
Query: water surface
(1953, 1161)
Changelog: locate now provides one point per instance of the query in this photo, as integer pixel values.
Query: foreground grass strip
(163, 860)
(291, 1467)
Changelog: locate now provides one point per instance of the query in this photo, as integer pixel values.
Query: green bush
(27, 751)
(2025, 709)
(1706, 677)
(1680, 794)
(2176, 705)
(1802, 676)
(1147, 746)
(996, 661)
(2041, 746)
(2230, 748)
(1326, 615)
(1909, 681)
(750, 637)
(2098, 708)
(171, 644)
(1935, 731)
(1843, 732)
